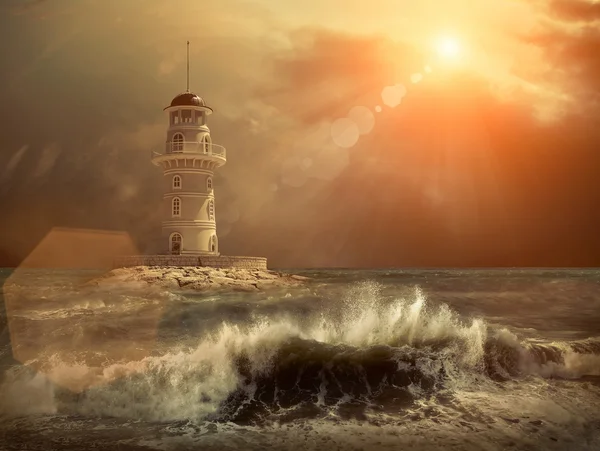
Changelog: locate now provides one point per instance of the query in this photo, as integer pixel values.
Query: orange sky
(488, 159)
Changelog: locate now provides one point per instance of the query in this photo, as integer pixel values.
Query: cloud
(576, 10)
(451, 153)
(42, 9)
(24, 6)
(47, 160)
(13, 163)
(334, 71)
(570, 47)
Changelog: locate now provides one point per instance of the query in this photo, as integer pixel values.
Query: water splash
(368, 349)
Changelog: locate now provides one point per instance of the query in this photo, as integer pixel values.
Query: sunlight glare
(448, 47)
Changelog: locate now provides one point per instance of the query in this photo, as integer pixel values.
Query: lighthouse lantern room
(188, 162)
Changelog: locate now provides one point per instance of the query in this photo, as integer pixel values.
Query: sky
(353, 140)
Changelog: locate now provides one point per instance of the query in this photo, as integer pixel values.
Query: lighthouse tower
(188, 162)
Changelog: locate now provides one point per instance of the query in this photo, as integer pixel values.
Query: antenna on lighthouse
(188, 67)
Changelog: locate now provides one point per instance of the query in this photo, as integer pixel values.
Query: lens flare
(363, 118)
(345, 133)
(392, 95)
(416, 78)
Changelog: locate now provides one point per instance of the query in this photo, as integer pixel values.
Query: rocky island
(199, 278)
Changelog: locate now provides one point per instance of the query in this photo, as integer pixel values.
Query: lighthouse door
(175, 244)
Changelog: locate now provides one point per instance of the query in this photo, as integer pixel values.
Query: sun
(448, 47)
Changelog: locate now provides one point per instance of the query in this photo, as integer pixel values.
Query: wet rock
(266, 275)
(197, 278)
(511, 420)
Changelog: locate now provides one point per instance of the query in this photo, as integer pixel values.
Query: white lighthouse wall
(193, 207)
(194, 240)
(194, 223)
(191, 181)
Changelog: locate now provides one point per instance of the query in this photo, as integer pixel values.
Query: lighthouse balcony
(191, 149)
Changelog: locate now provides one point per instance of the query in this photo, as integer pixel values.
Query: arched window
(204, 144)
(176, 182)
(209, 184)
(175, 243)
(213, 243)
(211, 210)
(176, 207)
(208, 144)
(177, 143)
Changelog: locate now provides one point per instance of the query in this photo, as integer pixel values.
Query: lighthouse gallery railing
(192, 147)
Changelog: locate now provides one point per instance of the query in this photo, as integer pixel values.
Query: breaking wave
(364, 353)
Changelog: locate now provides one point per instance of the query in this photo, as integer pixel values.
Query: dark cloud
(23, 6)
(576, 10)
(571, 51)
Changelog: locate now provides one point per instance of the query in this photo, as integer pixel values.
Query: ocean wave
(66, 304)
(508, 357)
(365, 354)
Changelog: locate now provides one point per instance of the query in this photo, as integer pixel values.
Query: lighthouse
(188, 162)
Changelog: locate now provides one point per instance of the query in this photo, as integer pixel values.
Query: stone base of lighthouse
(213, 261)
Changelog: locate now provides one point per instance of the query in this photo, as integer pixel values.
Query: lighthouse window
(186, 116)
(177, 182)
(176, 207)
(211, 210)
(205, 144)
(177, 144)
(209, 183)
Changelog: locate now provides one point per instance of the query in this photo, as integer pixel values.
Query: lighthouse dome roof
(188, 99)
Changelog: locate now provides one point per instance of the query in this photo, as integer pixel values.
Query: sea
(435, 359)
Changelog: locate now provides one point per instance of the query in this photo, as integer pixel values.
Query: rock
(262, 284)
(183, 281)
(267, 276)
(197, 278)
(222, 280)
(511, 420)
